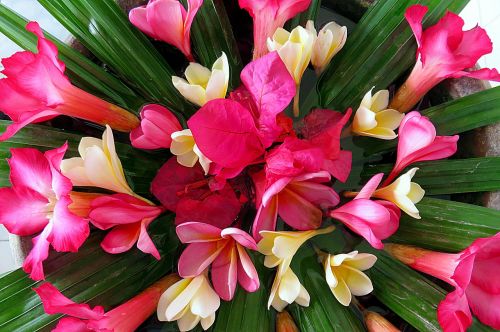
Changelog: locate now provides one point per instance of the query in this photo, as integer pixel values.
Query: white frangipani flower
(184, 147)
(328, 42)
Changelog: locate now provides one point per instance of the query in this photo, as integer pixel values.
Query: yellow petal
(206, 301)
(289, 288)
(380, 100)
(74, 169)
(359, 284)
(180, 300)
(168, 296)
(364, 120)
(389, 119)
(197, 74)
(196, 94)
(188, 321)
(342, 293)
(207, 322)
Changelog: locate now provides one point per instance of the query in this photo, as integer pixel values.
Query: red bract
(186, 191)
(269, 15)
(37, 90)
(444, 50)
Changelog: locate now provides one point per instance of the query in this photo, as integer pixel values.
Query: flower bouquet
(176, 181)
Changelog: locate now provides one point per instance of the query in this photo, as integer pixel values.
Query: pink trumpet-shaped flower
(39, 201)
(129, 217)
(157, 126)
(225, 250)
(373, 220)
(418, 142)
(269, 15)
(298, 200)
(37, 90)
(168, 21)
(81, 318)
(474, 274)
(444, 50)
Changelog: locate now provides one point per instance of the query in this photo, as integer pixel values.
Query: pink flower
(129, 217)
(373, 220)
(444, 50)
(186, 192)
(39, 201)
(269, 15)
(224, 250)
(298, 200)
(80, 317)
(474, 274)
(418, 142)
(35, 90)
(157, 124)
(168, 21)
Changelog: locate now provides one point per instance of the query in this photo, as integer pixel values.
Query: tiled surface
(484, 12)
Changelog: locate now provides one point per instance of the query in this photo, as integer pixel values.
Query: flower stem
(296, 107)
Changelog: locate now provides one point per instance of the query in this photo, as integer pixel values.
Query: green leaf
(447, 225)
(82, 72)
(87, 276)
(451, 176)
(380, 49)
(104, 29)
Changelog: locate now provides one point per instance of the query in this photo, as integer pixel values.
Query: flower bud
(328, 42)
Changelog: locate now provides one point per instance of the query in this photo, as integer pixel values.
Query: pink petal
(33, 264)
(121, 238)
(197, 257)
(225, 272)
(275, 188)
(339, 168)
(485, 305)
(481, 74)
(14, 101)
(28, 118)
(191, 232)
(414, 15)
(30, 168)
(61, 185)
(193, 7)
(473, 45)
(45, 46)
(138, 17)
(242, 237)
(265, 218)
(372, 185)
(144, 243)
(66, 324)
(415, 133)
(248, 277)
(166, 18)
(298, 212)
(54, 302)
(319, 195)
(453, 313)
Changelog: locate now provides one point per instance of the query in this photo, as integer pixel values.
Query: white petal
(183, 298)
(289, 288)
(188, 321)
(208, 321)
(197, 74)
(87, 142)
(74, 169)
(303, 299)
(187, 159)
(364, 120)
(359, 284)
(342, 293)
(416, 193)
(168, 296)
(339, 259)
(361, 261)
(331, 280)
(206, 301)
(380, 100)
(194, 93)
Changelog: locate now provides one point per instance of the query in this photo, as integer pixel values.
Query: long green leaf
(380, 49)
(104, 29)
(447, 225)
(87, 276)
(451, 176)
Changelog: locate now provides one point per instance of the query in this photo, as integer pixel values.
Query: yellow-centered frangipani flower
(287, 289)
(404, 193)
(184, 147)
(203, 84)
(328, 42)
(189, 301)
(344, 275)
(374, 119)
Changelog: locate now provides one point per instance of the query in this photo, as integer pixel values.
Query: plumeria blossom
(286, 290)
(404, 193)
(35, 89)
(188, 154)
(474, 274)
(444, 50)
(129, 218)
(168, 21)
(418, 142)
(328, 42)
(224, 249)
(268, 16)
(189, 302)
(39, 201)
(80, 317)
(202, 84)
(373, 220)
(374, 119)
(377, 323)
(344, 274)
(157, 126)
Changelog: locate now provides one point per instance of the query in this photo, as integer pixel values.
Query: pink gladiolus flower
(39, 201)
(298, 200)
(80, 317)
(157, 124)
(168, 21)
(129, 217)
(269, 15)
(444, 50)
(474, 274)
(418, 142)
(36, 90)
(373, 220)
(224, 249)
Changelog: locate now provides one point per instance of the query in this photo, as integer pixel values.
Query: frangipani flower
(35, 90)
(268, 16)
(184, 147)
(474, 274)
(377, 323)
(39, 201)
(80, 317)
(98, 165)
(224, 250)
(286, 290)
(344, 274)
(157, 126)
(328, 42)
(203, 84)
(404, 193)
(189, 302)
(444, 50)
(374, 119)
(168, 21)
